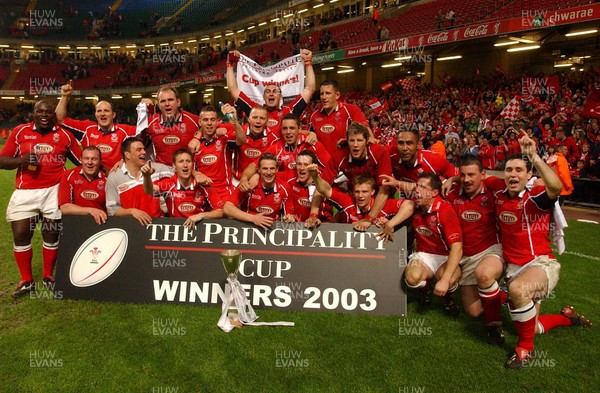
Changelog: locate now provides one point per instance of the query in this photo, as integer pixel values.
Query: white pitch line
(578, 254)
(587, 221)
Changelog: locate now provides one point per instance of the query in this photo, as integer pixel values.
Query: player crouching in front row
(439, 244)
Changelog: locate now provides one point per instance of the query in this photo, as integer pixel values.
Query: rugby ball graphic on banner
(98, 257)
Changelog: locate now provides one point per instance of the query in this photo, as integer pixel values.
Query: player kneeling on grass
(267, 202)
(482, 263)
(184, 197)
(523, 216)
(439, 244)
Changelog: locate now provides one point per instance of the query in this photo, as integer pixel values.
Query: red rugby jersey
(437, 228)
(331, 128)
(77, 189)
(183, 202)
(109, 143)
(524, 222)
(169, 137)
(52, 150)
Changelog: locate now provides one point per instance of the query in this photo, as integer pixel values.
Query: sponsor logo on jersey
(171, 140)
(252, 153)
(424, 231)
(209, 159)
(304, 202)
(272, 123)
(104, 149)
(470, 215)
(43, 148)
(267, 210)
(327, 129)
(90, 195)
(508, 218)
(186, 207)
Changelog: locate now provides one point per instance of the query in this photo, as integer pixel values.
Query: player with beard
(38, 150)
(82, 189)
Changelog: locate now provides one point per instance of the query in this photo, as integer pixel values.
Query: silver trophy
(236, 301)
(242, 311)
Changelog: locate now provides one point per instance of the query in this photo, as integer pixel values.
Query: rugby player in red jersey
(169, 130)
(353, 209)
(258, 139)
(331, 121)
(408, 162)
(439, 243)
(210, 158)
(302, 186)
(183, 196)
(482, 263)
(103, 133)
(272, 94)
(360, 157)
(82, 189)
(532, 272)
(38, 151)
(287, 148)
(268, 202)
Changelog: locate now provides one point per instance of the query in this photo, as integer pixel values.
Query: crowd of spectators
(464, 118)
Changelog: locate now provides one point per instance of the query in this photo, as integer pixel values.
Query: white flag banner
(288, 74)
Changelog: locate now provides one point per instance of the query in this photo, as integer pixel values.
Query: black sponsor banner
(331, 268)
